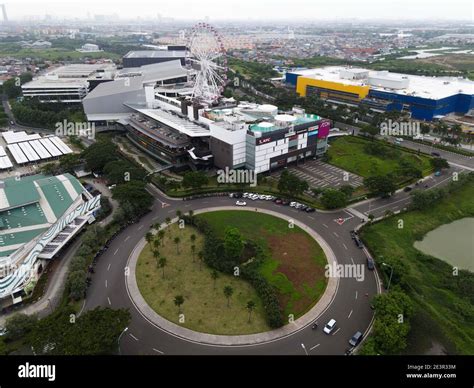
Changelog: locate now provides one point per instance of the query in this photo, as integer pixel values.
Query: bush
(76, 284)
(19, 325)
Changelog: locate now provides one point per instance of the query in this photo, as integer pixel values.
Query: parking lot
(322, 175)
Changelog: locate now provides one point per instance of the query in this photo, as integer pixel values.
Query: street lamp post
(120, 336)
(304, 348)
(391, 273)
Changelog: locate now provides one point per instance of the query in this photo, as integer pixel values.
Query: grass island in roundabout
(188, 275)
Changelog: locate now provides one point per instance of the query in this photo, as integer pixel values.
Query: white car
(241, 203)
(399, 139)
(245, 195)
(261, 196)
(293, 204)
(269, 197)
(253, 197)
(330, 326)
(3, 331)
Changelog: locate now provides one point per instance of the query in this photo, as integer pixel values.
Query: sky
(248, 9)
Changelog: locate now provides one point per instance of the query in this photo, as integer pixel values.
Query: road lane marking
(108, 267)
(105, 283)
(155, 218)
(344, 245)
(356, 294)
(108, 300)
(325, 225)
(349, 315)
(131, 335)
(157, 351)
(352, 260)
(126, 238)
(116, 251)
(170, 211)
(314, 347)
(311, 217)
(140, 227)
(336, 331)
(335, 234)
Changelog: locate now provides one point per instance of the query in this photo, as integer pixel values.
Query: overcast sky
(248, 9)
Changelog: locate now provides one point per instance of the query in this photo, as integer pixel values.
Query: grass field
(431, 283)
(295, 264)
(205, 306)
(348, 153)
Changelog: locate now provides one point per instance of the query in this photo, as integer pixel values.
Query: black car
(370, 263)
(407, 189)
(353, 234)
(310, 210)
(358, 243)
(237, 195)
(356, 338)
(436, 154)
(303, 207)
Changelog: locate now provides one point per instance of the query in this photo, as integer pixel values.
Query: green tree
(250, 308)
(99, 154)
(161, 235)
(19, 325)
(233, 244)
(162, 262)
(149, 237)
(135, 195)
(178, 301)
(76, 284)
(291, 185)
(177, 240)
(333, 199)
(228, 291)
(439, 163)
(194, 180)
(380, 185)
(193, 250)
(214, 276)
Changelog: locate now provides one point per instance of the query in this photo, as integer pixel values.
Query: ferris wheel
(206, 56)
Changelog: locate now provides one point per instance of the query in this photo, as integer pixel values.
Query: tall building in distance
(4, 12)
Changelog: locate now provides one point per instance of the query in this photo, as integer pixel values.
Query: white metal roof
(16, 137)
(17, 154)
(29, 151)
(419, 86)
(40, 150)
(52, 149)
(5, 162)
(60, 145)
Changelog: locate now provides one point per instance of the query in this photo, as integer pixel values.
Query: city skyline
(246, 10)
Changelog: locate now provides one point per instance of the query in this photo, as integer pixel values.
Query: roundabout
(292, 325)
(346, 299)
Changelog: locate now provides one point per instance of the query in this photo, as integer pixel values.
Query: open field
(348, 153)
(295, 262)
(205, 306)
(444, 301)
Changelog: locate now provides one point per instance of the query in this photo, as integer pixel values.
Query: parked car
(285, 202)
(399, 139)
(303, 207)
(407, 189)
(237, 195)
(437, 173)
(358, 243)
(310, 210)
(370, 263)
(293, 204)
(355, 339)
(330, 326)
(245, 195)
(3, 331)
(278, 201)
(241, 203)
(353, 234)
(262, 196)
(437, 154)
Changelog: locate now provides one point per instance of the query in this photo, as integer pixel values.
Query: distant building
(69, 83)
(89, 48)
(38, 45)
(148, 57)
(39, 215)
(424, 98)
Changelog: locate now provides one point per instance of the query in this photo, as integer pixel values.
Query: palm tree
(177, 240)
(179, 214)
(191, 214)
(156, 254)
(200, 257)
(250, 307)
(168, 223)
(193, 250)
(228, 291)
(214, 276)
(148, 237)
(156, 242)
(178, 301)
(161, 236)
(162, 264)
(193, 238)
